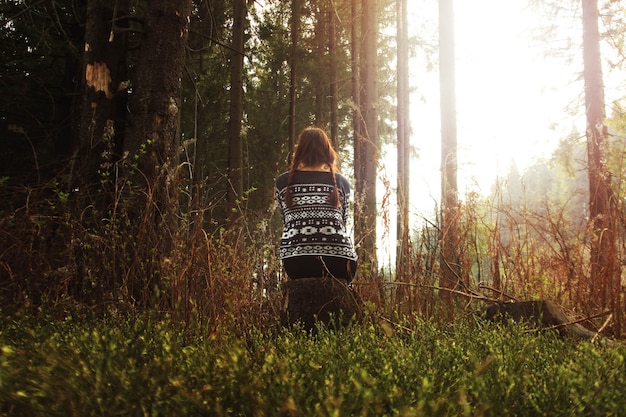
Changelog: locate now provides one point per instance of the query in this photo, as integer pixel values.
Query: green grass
(144, 367)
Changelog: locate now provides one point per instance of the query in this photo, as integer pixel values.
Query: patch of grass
(143, 366)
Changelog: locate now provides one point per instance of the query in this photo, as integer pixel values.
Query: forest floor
(139, 366)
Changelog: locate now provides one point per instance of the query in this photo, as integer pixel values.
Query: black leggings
(313, 266)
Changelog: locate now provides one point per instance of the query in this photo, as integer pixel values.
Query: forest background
(141, 140)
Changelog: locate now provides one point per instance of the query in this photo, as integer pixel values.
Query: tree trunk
(357, 120)
(235, 147)
(450, 267)
(320, 78)
(403, 144)
(152, 143)
(604, 286)
(332, 54)
(293, 73)
(366, 207)
(103, 116)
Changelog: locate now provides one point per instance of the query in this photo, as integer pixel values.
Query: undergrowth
(146, 366)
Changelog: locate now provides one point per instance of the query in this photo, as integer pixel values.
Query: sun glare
(511, 102)
(510, 96)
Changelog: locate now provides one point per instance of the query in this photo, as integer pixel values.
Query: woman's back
(313, 226)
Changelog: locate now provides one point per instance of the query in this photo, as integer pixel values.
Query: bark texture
(604, 285)
(328, 300)
(366, 145)
(450, 242)
(103, 116)
(235, 140)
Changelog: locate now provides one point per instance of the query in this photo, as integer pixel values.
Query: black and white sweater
(312, 226)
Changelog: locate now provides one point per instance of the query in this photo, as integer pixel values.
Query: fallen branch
(580, 320)
(546, 314)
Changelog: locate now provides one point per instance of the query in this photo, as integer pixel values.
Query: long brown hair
(314, 149)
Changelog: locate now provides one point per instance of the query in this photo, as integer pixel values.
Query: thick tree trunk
(103, 116)
(152, 143)
(604, 286)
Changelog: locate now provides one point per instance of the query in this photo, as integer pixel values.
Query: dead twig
(473, 295)
(606, 322)
(497, 291)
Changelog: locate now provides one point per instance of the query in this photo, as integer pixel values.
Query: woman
(314, 201)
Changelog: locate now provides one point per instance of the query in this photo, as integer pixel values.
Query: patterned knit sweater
(312, 226)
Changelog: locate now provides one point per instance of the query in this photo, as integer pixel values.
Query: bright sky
(511, 102)
(511, 99)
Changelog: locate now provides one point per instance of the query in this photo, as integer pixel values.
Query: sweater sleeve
(279, 195)
(345, 204)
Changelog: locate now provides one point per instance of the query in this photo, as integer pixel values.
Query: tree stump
(327, 300)
(543, 313)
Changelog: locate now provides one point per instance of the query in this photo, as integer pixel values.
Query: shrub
(144, 366)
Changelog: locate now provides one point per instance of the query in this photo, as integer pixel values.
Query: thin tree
(332, 70)
(357, 119)
(235, 140)
(293, 73)
(320, 79)
(450, 268)
(367, 137)
(403, 145)
(604, 286)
